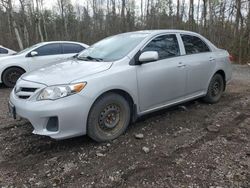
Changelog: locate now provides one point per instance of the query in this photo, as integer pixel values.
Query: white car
(6, 51)
(35, 57)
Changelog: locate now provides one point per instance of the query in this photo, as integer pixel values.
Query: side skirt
(202, 94)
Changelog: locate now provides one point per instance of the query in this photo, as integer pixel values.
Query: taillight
(231, 57)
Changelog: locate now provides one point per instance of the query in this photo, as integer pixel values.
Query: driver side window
(166, 45)
(49, 49)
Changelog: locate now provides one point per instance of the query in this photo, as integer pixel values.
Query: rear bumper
(71, 113)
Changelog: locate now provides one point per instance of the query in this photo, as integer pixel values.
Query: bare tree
(8, 6)
(123, 26)
(178, 12)
(191, 14)
(238, 16)
(62, 6)
(204, 13)
(226, 23)
(38, 20)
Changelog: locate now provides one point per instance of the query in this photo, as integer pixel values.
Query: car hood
(66, 72)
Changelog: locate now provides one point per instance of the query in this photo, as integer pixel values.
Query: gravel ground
(192, 145)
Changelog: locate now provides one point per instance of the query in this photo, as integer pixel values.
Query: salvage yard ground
(194, 144)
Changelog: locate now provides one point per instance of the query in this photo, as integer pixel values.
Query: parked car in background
(119, 79)
(6, 51)
(37, 56)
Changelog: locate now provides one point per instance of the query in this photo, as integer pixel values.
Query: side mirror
(33, 53)
(148, 56)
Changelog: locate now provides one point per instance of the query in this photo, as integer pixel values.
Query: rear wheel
(109, 117)
(11, 75)
(215, 89)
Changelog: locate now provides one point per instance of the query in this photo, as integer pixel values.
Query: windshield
(27, 49)
(112, 48)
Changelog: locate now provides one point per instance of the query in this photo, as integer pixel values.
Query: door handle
(180, 64)
(211, 59)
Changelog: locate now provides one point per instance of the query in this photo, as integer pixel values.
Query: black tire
(109, 117)
(11, 75)
(215, 89)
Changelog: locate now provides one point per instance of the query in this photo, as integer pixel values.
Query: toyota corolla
(118, 79)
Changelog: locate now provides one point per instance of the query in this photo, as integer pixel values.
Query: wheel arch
(128, 97)
(223, 74)
(14, 66)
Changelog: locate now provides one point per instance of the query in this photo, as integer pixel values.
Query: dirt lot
(195, 145)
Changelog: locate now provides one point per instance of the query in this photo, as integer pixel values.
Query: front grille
(24, 92)
(24, 97)
(28, 89)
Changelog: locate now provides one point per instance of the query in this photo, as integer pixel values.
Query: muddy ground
(193, 145)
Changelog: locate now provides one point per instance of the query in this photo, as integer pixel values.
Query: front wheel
(215, 89)
(109, 117)
(11, 75)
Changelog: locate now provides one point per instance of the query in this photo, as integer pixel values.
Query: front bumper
(71, 113)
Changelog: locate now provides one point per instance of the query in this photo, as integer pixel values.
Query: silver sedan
(119, 79)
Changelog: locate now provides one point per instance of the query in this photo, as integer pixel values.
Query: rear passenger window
(49, 49)
(69, 48)
(3, 51)
(194, 44)
(166, 45)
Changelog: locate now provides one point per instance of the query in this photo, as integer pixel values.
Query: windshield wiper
(75, 56)
(89, 58)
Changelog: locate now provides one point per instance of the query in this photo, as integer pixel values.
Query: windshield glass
(27, 49)
(112, 48)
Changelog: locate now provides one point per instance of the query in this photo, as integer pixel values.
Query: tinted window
(69, 48)
(194, 44)
(3, 51)
(49, 49)
(166, 46)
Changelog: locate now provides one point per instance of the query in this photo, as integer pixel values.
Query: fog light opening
(52, 124)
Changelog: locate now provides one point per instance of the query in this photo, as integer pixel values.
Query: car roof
(159, 31)
(162, 31)
(51, 42)
(60, 41)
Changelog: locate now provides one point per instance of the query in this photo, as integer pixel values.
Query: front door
(163, 81)
(46, 55)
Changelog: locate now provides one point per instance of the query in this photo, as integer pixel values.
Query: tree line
(25, 22)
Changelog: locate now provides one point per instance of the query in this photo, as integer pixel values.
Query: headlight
(60, 91)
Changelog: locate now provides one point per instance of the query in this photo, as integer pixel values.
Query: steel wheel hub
(12, 77)
(109, 117)
(216, 88)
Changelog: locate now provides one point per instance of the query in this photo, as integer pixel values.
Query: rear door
(162, 81)
(47, 54)
(200, 62)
